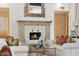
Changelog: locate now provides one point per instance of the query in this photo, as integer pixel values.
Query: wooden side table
(48, 51)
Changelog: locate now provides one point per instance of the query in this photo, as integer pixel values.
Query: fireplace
(30, 32)
(34, 33)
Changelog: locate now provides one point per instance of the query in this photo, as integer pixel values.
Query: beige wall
(17, 13)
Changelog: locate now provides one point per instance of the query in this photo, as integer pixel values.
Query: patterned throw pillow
(13, 42)
(71, 40)
(62, 40)
(57, 40)
(5, 51)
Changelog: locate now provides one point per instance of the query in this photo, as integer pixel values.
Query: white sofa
(67, 49)
(15, 50)
(19, 50)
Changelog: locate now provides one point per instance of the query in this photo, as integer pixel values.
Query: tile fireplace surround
(45, 25)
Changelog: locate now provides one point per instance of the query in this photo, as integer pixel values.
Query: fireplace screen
(35, 35)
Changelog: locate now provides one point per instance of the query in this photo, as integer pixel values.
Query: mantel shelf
(33, 21)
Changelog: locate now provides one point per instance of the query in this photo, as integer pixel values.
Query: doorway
(4, 22)
(61, 23)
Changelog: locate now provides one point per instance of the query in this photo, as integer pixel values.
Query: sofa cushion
(71, 45)
(19, 50)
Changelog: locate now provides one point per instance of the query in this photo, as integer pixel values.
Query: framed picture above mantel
(34, 9)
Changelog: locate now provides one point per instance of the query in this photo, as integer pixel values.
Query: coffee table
(49, 51)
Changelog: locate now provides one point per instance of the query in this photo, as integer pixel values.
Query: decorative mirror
(34, 9)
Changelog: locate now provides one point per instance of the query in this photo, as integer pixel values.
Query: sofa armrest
(59, 50)
(18, 50)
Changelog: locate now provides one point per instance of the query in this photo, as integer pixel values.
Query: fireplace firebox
(35, 35)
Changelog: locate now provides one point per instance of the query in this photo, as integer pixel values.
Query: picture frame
(34, 9)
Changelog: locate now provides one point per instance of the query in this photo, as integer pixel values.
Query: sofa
(15, 50)
(67, 49)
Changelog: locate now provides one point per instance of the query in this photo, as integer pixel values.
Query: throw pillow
(5, 51)
(62, 40)
(13, 42)
(57, 40)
